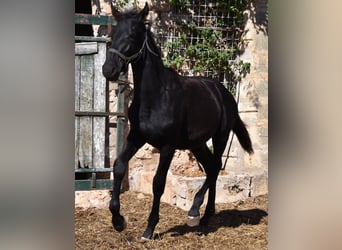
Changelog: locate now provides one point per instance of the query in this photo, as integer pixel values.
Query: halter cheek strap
(128, 59)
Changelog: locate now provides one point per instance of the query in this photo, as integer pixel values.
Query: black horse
(170, 112)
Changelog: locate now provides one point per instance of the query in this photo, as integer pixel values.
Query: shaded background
(37, 124)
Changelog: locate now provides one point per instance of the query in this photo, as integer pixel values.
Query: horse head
(128, 40)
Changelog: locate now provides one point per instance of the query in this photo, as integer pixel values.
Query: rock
(92, 199)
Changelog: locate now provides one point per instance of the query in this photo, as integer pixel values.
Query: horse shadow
(226, 218)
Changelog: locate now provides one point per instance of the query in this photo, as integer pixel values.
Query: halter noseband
(128, 59)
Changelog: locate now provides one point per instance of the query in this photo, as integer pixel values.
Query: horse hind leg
(206, 158)
(219, 144)
(212, 164)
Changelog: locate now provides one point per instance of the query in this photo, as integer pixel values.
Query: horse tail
(243, 135)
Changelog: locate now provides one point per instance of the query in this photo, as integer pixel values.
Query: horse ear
(116, 13)
(143, 14)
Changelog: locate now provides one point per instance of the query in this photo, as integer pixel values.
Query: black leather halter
(128, 59)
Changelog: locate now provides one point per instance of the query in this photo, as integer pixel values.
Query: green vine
(179, 3)
(215, 49)
(119, 4)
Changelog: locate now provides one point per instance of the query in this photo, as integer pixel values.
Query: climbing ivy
(119, 4)
(210, 54)
(205, 55)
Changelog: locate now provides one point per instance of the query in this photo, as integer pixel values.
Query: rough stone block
(180, 190)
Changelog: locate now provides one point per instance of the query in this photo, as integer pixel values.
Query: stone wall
(253, 100)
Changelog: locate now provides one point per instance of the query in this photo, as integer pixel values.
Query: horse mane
(152, 42)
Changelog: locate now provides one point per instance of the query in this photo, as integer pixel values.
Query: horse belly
(203, 122)
(201, 131)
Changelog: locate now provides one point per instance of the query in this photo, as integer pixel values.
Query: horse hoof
(147, 235)
(144, 239)
(119, 225)
(193, 221)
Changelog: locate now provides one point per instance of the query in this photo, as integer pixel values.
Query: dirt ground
(239, 225)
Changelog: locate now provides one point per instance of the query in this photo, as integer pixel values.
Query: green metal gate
(92, 115)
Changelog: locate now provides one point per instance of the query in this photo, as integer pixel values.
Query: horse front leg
(120, 167)
(159, 182)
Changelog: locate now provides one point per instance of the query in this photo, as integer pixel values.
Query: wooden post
(77, 107)
(86, 104)
(99, 123)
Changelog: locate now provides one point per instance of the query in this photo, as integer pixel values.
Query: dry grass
(239, 225)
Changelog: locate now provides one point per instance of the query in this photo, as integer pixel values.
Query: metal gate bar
(93, 184)
(92, 39)
(93, 19)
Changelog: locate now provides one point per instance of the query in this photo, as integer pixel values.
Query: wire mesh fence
(204, 38)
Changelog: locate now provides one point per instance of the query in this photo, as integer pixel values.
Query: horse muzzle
(110, 73)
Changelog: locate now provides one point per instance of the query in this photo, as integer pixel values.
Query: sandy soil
(239, 225)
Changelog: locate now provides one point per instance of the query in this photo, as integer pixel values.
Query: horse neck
(147, 72)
